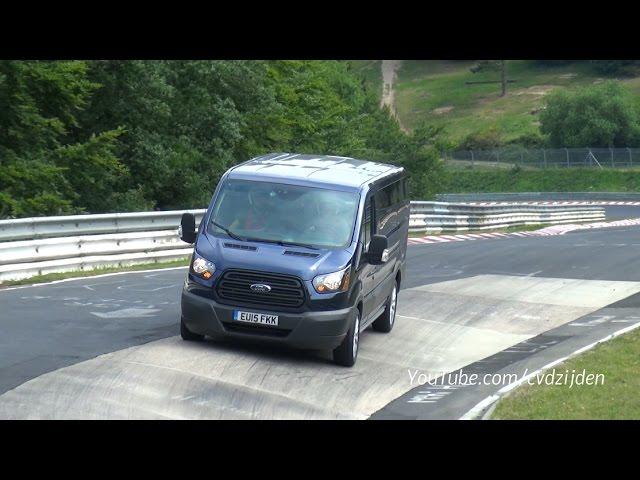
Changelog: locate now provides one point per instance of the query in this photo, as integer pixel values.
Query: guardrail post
(612, 162)
(472, 158)
(567, 151)
(630, 157)
(544, 156)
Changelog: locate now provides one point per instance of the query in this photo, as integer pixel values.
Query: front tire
(188, 335)
(384, 323)
(347, 352)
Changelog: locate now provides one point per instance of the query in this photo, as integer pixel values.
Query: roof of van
(316, 169)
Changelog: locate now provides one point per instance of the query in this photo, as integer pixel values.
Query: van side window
(396, 193)
(383, 198)
(365, 231)
(386, 202)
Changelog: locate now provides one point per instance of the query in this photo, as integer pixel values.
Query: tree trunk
(503, 77)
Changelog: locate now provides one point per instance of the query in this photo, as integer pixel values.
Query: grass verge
(50, 277)
(617, 398)
(549, 180)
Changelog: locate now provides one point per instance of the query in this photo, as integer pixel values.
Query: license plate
(252, 317)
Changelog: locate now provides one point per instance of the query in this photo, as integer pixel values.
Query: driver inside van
(314, 216)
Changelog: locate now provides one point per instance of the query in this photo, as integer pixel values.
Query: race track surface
(106, 347)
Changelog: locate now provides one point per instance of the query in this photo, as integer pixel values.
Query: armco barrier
(539, 196)
(434, 217)
(36, 246)
(71, 225)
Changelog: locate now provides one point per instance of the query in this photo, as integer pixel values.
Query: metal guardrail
(434, 217)
(540, 196)
(36, 246)
(69, 225)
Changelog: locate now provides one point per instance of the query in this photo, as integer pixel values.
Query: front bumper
(313, 330)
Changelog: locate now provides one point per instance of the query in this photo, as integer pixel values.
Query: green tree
(617, 67)
(597, 116)
(131, 135)
(183, 122)
(40, 165)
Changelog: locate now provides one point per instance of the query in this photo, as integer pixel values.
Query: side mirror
(187, 228)
(378, 250)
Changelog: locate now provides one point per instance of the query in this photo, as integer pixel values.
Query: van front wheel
(347, 352)
(384, 323)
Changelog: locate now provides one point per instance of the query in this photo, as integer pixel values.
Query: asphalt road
(463, 302)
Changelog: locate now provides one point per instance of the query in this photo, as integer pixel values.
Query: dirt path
(389, 74)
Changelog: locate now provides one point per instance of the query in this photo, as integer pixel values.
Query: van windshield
(277, 212)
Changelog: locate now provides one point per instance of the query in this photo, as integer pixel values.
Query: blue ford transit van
(303, 250)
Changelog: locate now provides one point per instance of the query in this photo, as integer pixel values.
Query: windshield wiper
(229, 232)
(296, 244)
(282, 242)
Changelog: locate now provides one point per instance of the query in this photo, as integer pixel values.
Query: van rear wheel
(347, 352)
(384, 323)
(188, 335)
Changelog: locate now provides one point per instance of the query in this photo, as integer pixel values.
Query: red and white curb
(565, 202)
(543, 232)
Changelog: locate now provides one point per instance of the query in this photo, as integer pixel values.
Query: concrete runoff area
(440, 327)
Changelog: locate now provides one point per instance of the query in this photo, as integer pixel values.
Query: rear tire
(347, 352)
(188, 335)
(384, 323)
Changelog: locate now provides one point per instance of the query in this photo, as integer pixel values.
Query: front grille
(234, 287)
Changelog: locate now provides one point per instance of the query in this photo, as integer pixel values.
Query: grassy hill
(435, 91)
(549, 180)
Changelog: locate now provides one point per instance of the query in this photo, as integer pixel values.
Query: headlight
(333, 282)
(202, 267)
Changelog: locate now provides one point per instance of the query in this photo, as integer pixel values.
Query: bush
(616, 67)
(598, 116)
(482, 140)
(529, 140)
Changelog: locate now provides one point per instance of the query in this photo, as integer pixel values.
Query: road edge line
(477, 411)
(18, 287)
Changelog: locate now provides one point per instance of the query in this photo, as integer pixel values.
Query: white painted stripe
(486, 402)
(475, 411)
(88, 277)
(439, 239)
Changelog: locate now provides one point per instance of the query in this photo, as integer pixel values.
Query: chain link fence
(547, 157)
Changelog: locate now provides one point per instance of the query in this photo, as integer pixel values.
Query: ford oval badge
(260, 288)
